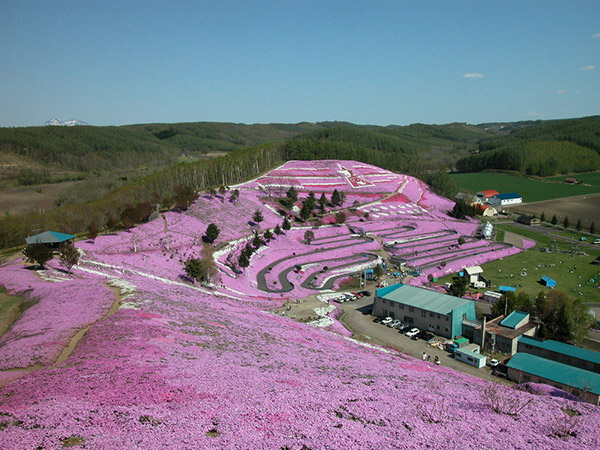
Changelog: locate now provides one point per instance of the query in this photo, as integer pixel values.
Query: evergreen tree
(340, 217)
(248, 250)
(336, 198)
(306, 211)
(461, 240)
(257, 242)
(378, 271)
(311, 200)
(566, 222)
(286, 224)
(234, 195)
(37, 254)
(243, 260)
(268, 235)
(322, 202)
(578, 225)
(543, 217)
(69, 256)
(292, 194)
(593, 228)
(212, 232)
(554, 220)
(257, 217)
(222, 190)
(278, 229)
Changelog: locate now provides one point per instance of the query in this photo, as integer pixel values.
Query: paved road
(357, 318)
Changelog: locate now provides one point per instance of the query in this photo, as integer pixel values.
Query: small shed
(461, 341)
(571, 180)
(505, 289)
(470, 355)
(491, 296)
(548, 282)
(484, 195)
(473, 273)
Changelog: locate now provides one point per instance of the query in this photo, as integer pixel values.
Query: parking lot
(358, 319)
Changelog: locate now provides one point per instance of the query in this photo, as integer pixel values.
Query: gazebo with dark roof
(49, 238)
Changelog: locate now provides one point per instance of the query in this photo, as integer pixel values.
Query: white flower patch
(326, 297)
(324, 311)
(53, 276)
(383, 207)
(322, 323)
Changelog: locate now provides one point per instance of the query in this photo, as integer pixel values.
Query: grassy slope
(531, 190)
(592, 178)
(575, 270)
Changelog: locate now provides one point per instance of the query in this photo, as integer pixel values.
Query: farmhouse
(474, 273)
(484, 196)
(502, 333)
(525, 367)
(50, 238)
(428, 310)
(506, 199)
(561, 352)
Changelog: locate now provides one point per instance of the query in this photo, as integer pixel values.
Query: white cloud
(535, 114)
(587, 68)
(561, 91)
(473, 75)
(597, 35)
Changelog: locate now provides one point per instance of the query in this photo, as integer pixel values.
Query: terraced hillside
(168, 362)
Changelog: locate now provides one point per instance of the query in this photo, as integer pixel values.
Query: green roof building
(428, 310)
(49, 238)
(525, 368)
(561, 352)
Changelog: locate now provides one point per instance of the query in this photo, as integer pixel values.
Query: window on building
(411, 309)
(400, 305)
(431, 315)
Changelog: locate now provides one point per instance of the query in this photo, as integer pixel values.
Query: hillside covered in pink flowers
(167, 363)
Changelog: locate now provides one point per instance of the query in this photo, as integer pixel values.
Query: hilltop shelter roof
(49, 237)
(421, 298)
(555, 371)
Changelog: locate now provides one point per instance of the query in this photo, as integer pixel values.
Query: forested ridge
(425, 151)
(543, 148)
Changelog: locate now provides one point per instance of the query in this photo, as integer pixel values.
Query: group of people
(427, 357)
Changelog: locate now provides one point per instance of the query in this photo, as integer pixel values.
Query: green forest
(175, 171)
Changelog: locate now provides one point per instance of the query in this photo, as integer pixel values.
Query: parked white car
(412, 332)
(386, 320)
(394, 323)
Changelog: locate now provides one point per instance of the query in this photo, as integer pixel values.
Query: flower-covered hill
(182, 365)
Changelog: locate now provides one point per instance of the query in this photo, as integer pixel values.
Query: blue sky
(370, 62)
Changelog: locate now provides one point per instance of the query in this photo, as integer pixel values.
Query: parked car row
(405, 328)
(351, 296)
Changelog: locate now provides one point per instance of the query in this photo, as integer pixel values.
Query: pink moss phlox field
(182, 365)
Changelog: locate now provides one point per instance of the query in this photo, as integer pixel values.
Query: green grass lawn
(531, 190)
(592, 178)
(573, 273)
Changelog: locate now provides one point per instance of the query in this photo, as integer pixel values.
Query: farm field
(592, 178)
(167, 362)
(586, 208)
(531, 190)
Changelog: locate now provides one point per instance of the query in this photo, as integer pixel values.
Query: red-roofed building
(483, 196)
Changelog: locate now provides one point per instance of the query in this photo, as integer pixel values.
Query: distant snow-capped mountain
(64, 123)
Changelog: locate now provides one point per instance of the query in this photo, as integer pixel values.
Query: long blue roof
(49, 237)
(508, 196)
(555, 371)
(561, 347)
(422, 298)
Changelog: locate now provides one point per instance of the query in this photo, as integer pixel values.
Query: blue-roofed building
(515, 320)
(50, 238)
(504, 289)
(428, 310)
(511, 198)
(561, 352)
(548, 282)
(525, 368)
